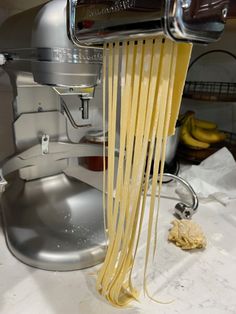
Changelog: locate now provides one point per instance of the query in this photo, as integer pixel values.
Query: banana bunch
(199, 134)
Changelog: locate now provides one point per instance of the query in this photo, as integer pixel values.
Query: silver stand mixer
(51, 205)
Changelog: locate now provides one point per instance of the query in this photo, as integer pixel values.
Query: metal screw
(187, 214)
(186, 4)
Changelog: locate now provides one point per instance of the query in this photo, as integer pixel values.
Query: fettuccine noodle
(143, 80)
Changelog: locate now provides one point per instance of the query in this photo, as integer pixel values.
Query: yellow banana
(205, 124)
(207, 136)
(187, 139)
(198, 122)
(183, 118)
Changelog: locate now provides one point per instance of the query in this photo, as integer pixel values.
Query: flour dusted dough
(187, 235)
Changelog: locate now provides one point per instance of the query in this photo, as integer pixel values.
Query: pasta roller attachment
(95, 21)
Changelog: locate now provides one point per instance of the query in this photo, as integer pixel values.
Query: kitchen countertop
(201, 282)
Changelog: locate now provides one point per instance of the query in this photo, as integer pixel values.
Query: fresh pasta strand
(104, 133)
(161, 102)
(144, 74)
(132, 194)
(115, 241)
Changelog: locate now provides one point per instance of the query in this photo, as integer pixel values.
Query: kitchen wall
(215, 67)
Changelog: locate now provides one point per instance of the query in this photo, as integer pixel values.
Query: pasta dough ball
(187, 235)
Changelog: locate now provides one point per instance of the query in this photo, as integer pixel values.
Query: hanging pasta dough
(143, 80)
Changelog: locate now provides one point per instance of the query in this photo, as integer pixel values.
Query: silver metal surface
(82, 91)
(30, 127)
(45, 143)
(171, 145)
(3, 182)
(183, 210)
(36, 41)
(35, 99)
(94, 22)
(85, 108)
(70, 117)
(96, 136)
(32, 164)
(55, 223)
(71, 12)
